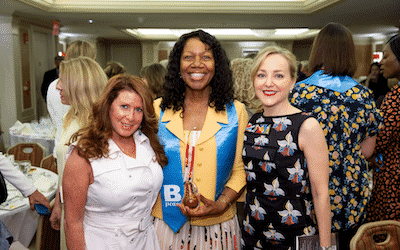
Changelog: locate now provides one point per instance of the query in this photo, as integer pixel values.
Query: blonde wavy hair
(81, 48)
(242, 82)
(83, 82)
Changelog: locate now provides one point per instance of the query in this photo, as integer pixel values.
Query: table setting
(15, 212)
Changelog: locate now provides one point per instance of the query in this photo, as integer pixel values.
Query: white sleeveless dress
(119, 202)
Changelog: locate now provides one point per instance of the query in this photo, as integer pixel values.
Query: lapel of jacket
(210, 128)
(211, 125)
(175, 124)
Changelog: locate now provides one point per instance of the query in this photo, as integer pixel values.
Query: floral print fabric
(278, 201)
(385, 198)
(346, 118)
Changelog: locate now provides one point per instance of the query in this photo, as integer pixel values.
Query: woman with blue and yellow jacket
(201, 128)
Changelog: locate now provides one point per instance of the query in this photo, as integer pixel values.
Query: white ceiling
(365, 18)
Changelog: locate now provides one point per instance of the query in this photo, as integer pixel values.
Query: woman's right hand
(55, 217)
(207, 207)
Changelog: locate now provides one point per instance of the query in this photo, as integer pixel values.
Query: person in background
(202, 129)
(114, 68)
(50, 76)
(243, 85)
(154, 76)
(56, 108)
(385, 197)
(349, 119)
(304, 68)
(300, 74)
(82, 81)
(22, 183)
(27, 189)
(377, 83)
(113, 172)
(285, 154)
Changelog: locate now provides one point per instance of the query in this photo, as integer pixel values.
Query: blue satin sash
(336, 83)
(172, 190)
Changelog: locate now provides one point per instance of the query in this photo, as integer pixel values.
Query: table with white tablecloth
(15, 212)
(42, 132)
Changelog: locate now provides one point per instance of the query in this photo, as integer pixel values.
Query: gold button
(197, 179)
(201, 149)
(199, 164)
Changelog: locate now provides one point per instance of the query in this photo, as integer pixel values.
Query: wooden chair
(367, 235)
(49, 163)
(31, 151)
(46, 237)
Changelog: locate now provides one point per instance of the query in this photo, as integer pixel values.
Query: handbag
(3, 189)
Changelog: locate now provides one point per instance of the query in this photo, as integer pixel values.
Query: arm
(312, 143)
(238, 176)
(368, 146)
(76, 180)
(390, 108)
(211, 207)
(22, 183)
(55, 217)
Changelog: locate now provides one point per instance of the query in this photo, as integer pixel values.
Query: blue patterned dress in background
(278, 201)
(346, 118)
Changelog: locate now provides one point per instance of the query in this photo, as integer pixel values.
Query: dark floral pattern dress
(278, 199)
(346, 119)
(385, 198)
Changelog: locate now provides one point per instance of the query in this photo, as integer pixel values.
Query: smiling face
(126, 114)
(390, 66)
(273, 82)
(197, 65)
(60, 87)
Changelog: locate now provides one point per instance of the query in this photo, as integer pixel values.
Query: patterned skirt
(224, 236)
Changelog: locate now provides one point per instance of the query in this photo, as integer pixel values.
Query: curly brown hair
(93, 139)
(174, 89)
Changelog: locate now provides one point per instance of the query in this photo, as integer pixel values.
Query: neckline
(276, 116)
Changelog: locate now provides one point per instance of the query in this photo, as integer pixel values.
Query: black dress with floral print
(278, 201)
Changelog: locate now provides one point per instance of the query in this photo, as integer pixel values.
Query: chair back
(31, 151)
(46, 237)
(49, 163)
(388, 233)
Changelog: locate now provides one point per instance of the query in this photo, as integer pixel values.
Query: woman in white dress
(82, 81)
(113, 171)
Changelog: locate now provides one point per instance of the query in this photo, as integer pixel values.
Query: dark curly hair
(93, 139)
(221, 84)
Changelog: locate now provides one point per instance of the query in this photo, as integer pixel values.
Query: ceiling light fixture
(235, 33)
(290, 31)
(231, 32)
(155, 31)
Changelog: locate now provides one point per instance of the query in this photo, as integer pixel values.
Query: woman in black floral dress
(286, 162)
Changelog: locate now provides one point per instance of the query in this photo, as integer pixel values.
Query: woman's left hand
(207, 207)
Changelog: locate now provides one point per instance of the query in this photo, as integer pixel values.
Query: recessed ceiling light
(90, 21)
